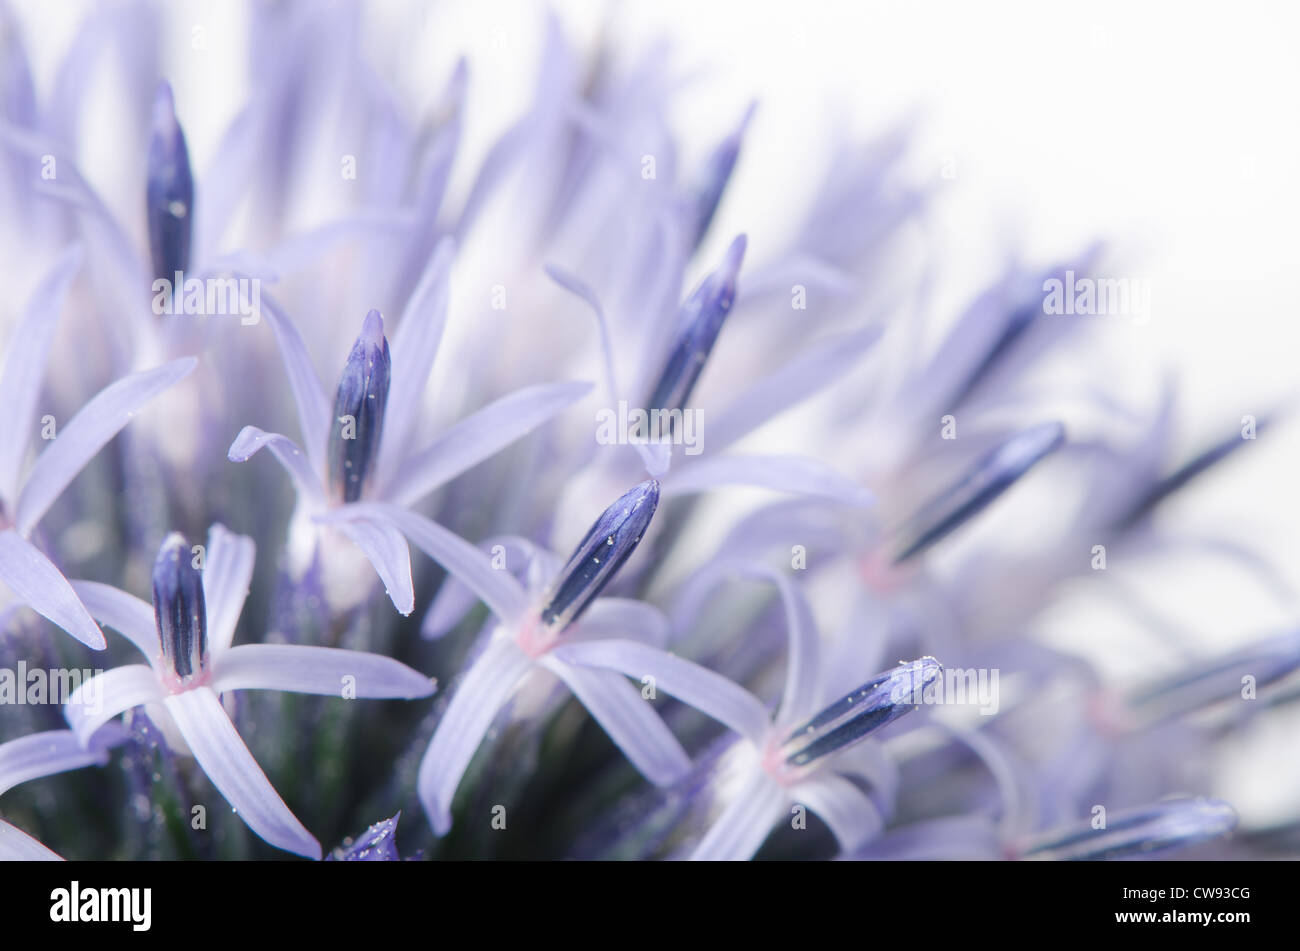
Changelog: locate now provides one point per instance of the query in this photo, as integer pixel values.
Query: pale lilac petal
(503, 595)
(17, 846)
(38, 584)
(105, 695)
(481, 694)
(225, 759)
(24, 366)
(849, 812)
(252, 440)
(746, 822)
(308, 395)
(951, 838)
(227, 572)
(125, 613)
(802, 694)
(328, 671)
(44, 754)
(383, 544)
(454, 600)
(626, 618)
(414, 347)
(710, 693)
(224, 183)
(803, 376)
(581, 290)
(794, 474)
(86, 433)
(478, 437)
(628, 718)
(868, 762)
(802, 691)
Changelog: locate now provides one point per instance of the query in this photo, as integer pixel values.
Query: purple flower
(805, 754)
(330, 486)
(186, 637)
(671, 383)
(531, 625)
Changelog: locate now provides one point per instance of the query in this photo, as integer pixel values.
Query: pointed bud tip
(735, 254)
(372, 329)
(164, 107)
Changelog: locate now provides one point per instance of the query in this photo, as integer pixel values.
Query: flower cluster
(585, 527)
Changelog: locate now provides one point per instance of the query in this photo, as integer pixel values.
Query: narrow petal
(581, 290)
(454, 600)
(17, 846)
(795, 474)
(801, 694)
(225, 759)
(503, 595)
(227, 573)
(38, 584)
(628, 718)
(383, 544)
(252, 440)
(849, 812)
(125, 613)
(308, 395)
(746, 822)
(805, 375)
(414, 348)
(951, 838)
(86, 433)
(44, 754)
(696, 686)
(105, 695)
(24, 365)
(478, 437)
(485, 689)
(328, 671)
(622, 618)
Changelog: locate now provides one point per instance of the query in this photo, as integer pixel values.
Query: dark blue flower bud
(984, 482)
(179, 609)
(598, 557)
(700, 321)
(169, 191)
(1185, 473)
(358, 421)
(707, 195)
(1175, 823)
(861, 712)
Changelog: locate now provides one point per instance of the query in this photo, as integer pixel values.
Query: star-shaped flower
(801, 755)
(530, 624)
(362, 452)
(186, 637)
